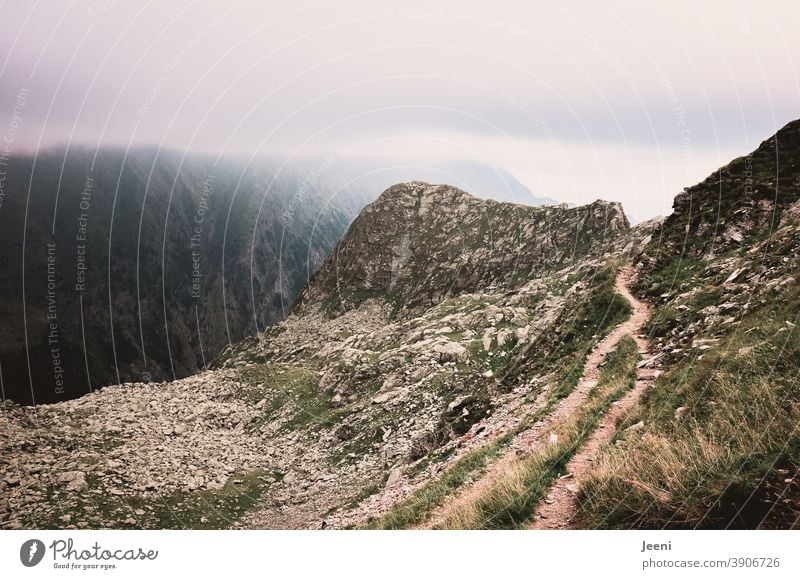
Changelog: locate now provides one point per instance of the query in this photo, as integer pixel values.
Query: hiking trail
(560, 506)
(561, 503)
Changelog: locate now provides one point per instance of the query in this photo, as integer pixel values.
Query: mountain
(720, 448)
(420, 243)
(736, 206)
(462, 363)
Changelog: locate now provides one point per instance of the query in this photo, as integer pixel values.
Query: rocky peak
(415, 190)
(610, 212)
(419, 243)
(743, 200)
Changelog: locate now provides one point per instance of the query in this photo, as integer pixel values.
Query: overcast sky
(629, 101)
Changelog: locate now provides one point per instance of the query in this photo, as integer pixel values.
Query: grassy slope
(730, 456)
(563, 353)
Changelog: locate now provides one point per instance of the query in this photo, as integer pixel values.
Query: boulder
(450, 352)
(73, 481)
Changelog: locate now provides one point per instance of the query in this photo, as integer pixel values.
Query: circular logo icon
(31, 553)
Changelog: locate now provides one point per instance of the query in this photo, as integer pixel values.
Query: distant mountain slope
(123, 263)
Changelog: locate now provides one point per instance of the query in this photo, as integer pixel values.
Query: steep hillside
(720, 446)
(737, 206)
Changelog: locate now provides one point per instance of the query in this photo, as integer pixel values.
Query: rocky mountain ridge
(738, 204)
(420, 243)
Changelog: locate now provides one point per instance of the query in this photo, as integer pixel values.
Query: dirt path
(559, 508)
(537, 436)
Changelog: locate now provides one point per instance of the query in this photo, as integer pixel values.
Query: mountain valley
(448, 360)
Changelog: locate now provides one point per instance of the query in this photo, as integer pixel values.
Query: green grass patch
(421, 504)
(206, 509)
(293, 387)
(723, 460)
(431, 495)
(675, 276)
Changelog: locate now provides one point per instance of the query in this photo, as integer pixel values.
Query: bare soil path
(560, 507)
(537, 436)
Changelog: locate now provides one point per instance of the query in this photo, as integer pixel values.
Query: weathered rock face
(730, 246)
(419, 243)
(738, 203)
